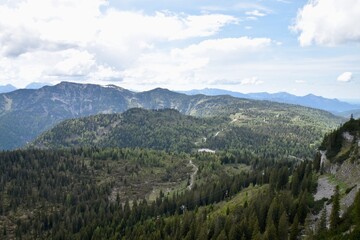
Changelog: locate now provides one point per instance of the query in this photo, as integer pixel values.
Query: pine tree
(234, 233)
(335, 211)
(222, 236)
(321, 227)
(294, 228)
(283, 227)
(295, 184)
(357, 208)
(270, 232)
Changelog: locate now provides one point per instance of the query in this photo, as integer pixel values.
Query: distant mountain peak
(7, 88)
(37, 85)
(159, 89)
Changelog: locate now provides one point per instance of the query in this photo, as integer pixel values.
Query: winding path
(192, 176)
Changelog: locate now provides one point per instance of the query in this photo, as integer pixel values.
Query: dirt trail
(192, 176)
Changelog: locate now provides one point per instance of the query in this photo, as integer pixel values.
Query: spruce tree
(283, 227)
(321, 227)
(294, 228)
(357, 208)
(335, 211)
(270, 232)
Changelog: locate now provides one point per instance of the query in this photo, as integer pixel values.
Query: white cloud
(219, 47)
(300, 81)
(245, 81)
(73, 63)
(328, 22)
(345, 77)
(255, 13)
(195, 62)
(251, 81)
(88, 39)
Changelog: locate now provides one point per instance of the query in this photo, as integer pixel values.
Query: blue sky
(298, 46)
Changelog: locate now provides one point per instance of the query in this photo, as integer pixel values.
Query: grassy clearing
(240, 199)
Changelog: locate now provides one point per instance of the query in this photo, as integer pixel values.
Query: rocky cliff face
(340, 167)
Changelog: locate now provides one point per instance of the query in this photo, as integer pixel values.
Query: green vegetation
(130, 175)
(84, 194)
(158, 129)
(268, 135)
(91, 192)
(340, 148)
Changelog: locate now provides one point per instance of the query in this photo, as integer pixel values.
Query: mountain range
(332, 105)
(25, 113)
(341, 108)
(34, 85)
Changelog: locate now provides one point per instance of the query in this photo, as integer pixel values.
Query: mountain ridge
(310, 100)
(25, 113)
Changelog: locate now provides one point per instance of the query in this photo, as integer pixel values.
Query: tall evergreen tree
(294, 228)
(283, 227)
(335, 211)
(357, 208)
(270, 232)
(321, 227)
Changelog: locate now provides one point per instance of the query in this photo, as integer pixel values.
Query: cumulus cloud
(88, 39)
(345, 77)
(328, 22)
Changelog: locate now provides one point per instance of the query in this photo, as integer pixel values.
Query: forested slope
(271, 134)
(112, 193)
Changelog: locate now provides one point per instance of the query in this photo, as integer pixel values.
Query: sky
(297, 46)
